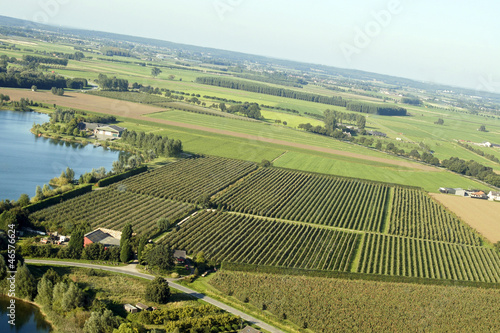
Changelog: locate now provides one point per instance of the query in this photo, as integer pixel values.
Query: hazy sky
(454, 42)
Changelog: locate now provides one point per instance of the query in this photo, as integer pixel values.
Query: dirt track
(137, 111)
(481, 215)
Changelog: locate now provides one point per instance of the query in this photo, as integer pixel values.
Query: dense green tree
(53, 276)
(75, 244)
(204, 200)
(330, 121)
(3, 268)
(160, 256)
(361, 122)
(155, 71)
(72, 298)
(482, 128)
(25, 283)
(140, 249)
(415, 154)
(163, 224)
(440, 121)
(126, 234)
(38, 193)
(101, 322)
(94, 251)
(126, 251)
(23, 200)
(7, 218)
(158, 291)
(45, 292)
(59, 290)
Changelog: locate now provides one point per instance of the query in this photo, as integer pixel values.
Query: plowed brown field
(482, 215)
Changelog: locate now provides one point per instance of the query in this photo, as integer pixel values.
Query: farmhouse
(104, 236)
(494, 196)
(111, 131)
(478, 195)
(89, 127)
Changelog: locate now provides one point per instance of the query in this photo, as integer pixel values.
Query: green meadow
(430, 181)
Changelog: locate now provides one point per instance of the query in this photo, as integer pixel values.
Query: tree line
(45, 60)
(382, 110)
(112, 83)
(158, 144)
(268, 90)
(288, 93)
(473, 169)
(16, 78)
(478, 151)
(250, 110)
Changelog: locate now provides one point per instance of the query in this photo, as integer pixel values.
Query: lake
(27, 161)
(29, 319)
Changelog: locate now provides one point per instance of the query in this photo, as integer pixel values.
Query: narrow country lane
(132, 270)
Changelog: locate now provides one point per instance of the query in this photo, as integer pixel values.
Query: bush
(158, 291)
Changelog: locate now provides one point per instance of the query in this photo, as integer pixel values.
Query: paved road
(132, 270)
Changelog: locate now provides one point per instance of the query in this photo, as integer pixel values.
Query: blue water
(27, 161)
(28, 318)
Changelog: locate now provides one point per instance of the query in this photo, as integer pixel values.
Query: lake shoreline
(46, 317)
(20, 146)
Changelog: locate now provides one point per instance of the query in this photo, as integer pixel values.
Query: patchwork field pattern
(187, 180)
(112, 208)
(251, 240)
(285, 219)
(312, 198)
(390, 255)
(416, 214)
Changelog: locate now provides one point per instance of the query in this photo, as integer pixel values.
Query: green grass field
(430, 181)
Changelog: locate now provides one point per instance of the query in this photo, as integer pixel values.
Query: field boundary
(250, 268)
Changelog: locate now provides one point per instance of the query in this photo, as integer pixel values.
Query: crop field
(341, 305)
(246, 239)
(469, 209)
(416, 214)
(389, 255)
(311, 198)
(112, 208)
(189, 179)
